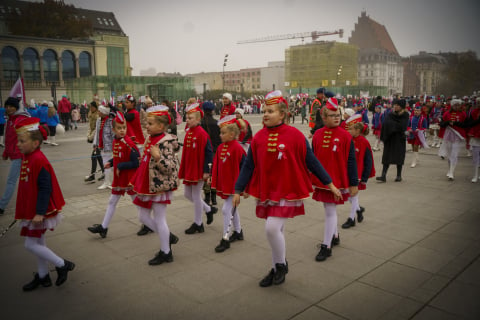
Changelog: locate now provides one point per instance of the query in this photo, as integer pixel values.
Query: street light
(225, 59)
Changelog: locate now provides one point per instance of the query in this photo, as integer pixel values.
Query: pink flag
(112, 100)
(18, 89)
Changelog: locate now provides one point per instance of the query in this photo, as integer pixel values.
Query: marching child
(334, 146)
(197, 155)
(226, 167)
(416, 128)
(245, 136)
(276, 174)
(124, 163)
(39, 202)
(103, 141)
(377, 126)
(156, 179)
(365, 166)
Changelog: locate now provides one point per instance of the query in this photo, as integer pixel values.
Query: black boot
(144, 230)
(213, 195)
(383, 178)
(349, 223)
(335, 240)
(224, 245)
(399, 173)
(360, 214)
(207, 196)
(160, 258)
(236, 236)
(210, 214)
(98, 228)
(324, 253)
(279, 275)
(268, 280)
(195, 228)
(63, 272)
(173, 238)
(32, 285)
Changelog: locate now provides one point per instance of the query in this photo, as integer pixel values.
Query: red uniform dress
(455, 116)
(226, 167)
(122, 149)
(227, 109)
(141, 179)
(28, 192)
(331, 146)
(280, 180)
(193, 155)
(244, 133)
(362, 146)
(475, 130)
(134, 128)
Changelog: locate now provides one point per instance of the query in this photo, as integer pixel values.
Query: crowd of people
(135, 147)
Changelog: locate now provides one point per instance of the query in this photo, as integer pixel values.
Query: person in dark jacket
(209, 124)
(394, 139)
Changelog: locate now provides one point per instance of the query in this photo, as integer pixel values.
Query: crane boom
(314, 35)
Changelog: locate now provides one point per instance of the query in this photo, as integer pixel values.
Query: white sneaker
(475, 179)
(103, 186)
(54, 143)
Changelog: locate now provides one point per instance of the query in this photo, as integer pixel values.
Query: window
(85, 64)
(50, 65)
(68, 65)
(10, 63)
(31, 64)
(115, 61)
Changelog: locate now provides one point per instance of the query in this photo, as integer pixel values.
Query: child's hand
(107, 165)
(206, 176)
(155, 152)
(37, 219)
(118, 172)
(236, 200)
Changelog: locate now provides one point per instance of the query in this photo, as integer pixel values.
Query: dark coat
(209, 124)
(394, 139)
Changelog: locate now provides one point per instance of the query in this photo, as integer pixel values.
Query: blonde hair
(233, 127)
(364, 130)
(159, 119)
(191, 101)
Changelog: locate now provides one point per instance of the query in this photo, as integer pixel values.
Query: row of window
(10, 64)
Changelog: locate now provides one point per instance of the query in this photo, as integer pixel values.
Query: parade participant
(453, 134)
(96, 156)
(226, 167)
(194, 168)
(474, 133)
(317, 104)
(279, 148)
(365, 167)
(348, 112)
(14, 114)
(103, 140)
(416, 129)
(377, 126)
(52, 122)
(156, 179)
(359, 109)
(124, 163)
(333, 146)
(435, 118)
(209, 124)
(245, 136)
(228, 106)
(394, 140)
(134, 128)
(39, 202)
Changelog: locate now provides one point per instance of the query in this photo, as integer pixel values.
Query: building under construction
(321, 63)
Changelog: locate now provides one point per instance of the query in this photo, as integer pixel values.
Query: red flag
(18, 89)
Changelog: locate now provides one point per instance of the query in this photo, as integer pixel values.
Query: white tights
(194, 194)
(157, 223)
(227, 215)
(38, 246)
(330, 223)
(355, 206)
(112, 205)
(274, 227)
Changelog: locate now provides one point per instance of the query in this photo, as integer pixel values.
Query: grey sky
(190, 36)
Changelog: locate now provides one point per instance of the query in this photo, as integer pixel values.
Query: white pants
(274, 227)
(194, 194)
(38, 246)
(157, 223)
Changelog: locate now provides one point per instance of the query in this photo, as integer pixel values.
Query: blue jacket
(42, 113)
(2, 115)
(53, 121)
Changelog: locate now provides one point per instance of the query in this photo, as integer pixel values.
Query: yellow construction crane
(314, 35)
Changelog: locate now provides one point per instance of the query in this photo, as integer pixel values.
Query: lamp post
(225, 59)
(339, 73)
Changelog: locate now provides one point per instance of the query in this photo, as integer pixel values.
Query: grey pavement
(415, 256)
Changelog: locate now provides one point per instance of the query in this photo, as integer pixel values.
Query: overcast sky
(190, 36)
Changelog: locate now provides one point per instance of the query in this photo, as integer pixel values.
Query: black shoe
(360, 214)
(214, 197)
(102, 177)
(144, 230)
(268, 280)
(207, 197)
(236, 236)
(2, 211)
(335, 241)
(398, 179)
(324, 253)
(210, 214)
(173, 238)
(32, 285)
(160, 258)
(98, 228)
(195, 228)
(90, 178)
(279, 275)
(381, 179)
(349, 223)
(224, 245)
(63, 272)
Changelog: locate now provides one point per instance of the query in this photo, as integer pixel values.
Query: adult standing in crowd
(394, 139)
(14, 114)
(316, 105)
(64, 109)
(228, 106)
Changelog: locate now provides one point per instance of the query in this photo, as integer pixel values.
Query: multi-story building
(379, 64)
(425, 71)
(320, 63)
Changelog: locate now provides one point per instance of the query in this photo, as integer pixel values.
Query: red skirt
(282, 209)
(327, 196)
